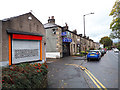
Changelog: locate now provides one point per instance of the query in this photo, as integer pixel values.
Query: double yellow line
(92, 77)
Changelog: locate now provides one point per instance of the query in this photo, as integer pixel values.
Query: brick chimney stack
(66, 26)
(52, 17)
(80, 35)
(51, 20)
(75, 31)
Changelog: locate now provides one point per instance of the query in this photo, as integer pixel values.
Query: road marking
(92, 77)
(96, 79)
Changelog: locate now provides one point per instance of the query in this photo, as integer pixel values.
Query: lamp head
(91, 13)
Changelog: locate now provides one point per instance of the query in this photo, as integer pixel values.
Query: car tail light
(97, 53)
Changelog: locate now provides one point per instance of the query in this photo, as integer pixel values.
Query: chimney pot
(52, 17)
(66, 24)
(51, 20)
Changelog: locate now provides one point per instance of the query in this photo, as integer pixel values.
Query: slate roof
(50, 25)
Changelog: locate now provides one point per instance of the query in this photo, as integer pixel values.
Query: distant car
(116, 50)
(94, 54)
(102, 52)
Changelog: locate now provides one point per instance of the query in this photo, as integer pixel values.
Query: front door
(66, 49)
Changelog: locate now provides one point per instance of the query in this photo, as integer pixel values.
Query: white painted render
(52, 54)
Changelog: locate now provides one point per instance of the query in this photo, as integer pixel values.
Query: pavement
(64, 74)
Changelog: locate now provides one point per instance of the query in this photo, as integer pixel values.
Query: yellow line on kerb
(92, 77)
(96, 79)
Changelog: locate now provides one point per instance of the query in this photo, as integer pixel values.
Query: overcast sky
(66, 11)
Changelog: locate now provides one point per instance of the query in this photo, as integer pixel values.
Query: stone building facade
(97, 45)
(61, 42)
(82, 43)
(53, 39)
(21, 34)
(91, 43)
(87, 43)
(79, 43)
(73, 44)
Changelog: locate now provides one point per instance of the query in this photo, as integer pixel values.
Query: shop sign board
(63, 34)
(67, 40)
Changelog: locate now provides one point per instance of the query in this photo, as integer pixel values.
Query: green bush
(118, 48)
(25, 76)
(82, 53)
(79, 55)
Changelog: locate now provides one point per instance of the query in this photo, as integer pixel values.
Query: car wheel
(99, 58)
(88, 59)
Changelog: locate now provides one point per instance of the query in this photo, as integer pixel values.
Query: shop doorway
(66, 49)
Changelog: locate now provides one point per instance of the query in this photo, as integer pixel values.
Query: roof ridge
(6, 19)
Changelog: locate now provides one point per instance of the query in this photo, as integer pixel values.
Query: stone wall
(73, 44)
(59, 41)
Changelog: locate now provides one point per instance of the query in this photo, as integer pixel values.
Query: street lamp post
(84, 27)
(84, 20)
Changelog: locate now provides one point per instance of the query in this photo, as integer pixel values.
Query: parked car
(94, 54)
(105, 50)
(102, 52)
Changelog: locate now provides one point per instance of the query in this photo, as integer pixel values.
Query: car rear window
(93, 52)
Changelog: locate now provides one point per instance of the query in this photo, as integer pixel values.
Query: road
(67, 72)
(105, 70)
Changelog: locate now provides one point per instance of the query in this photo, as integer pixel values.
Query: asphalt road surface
(105, 70)
(76, 72)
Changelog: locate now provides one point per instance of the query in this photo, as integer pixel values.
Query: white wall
(52, 54)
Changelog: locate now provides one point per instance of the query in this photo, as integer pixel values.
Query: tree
(106, 41)
(115, 24)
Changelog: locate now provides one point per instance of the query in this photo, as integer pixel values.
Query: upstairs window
(54, 31)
